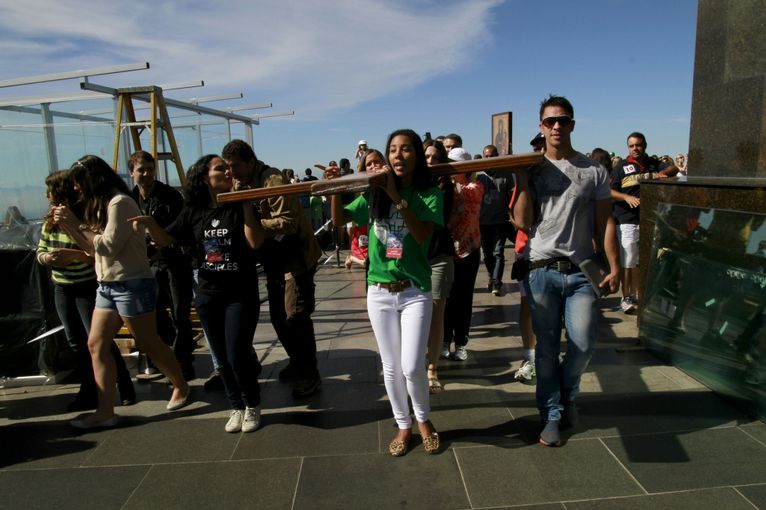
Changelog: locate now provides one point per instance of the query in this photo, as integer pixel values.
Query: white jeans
(400, 321)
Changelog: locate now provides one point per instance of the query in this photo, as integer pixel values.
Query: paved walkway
(649, 437)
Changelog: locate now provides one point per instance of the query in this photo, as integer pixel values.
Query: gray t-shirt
(564, 195)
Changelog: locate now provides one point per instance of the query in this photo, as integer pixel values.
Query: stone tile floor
(649, 437)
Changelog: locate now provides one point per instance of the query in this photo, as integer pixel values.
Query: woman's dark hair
(61, 192)
(599, 155)
(443, 182)
(97, 182)
(196, 187)
(380, 202)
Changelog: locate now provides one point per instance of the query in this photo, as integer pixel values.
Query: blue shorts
(129, 298)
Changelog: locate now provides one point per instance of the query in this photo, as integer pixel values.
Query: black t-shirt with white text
(226, 262)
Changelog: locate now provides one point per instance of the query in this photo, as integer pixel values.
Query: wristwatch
(401, 205)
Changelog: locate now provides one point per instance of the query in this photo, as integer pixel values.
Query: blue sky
(356, 69)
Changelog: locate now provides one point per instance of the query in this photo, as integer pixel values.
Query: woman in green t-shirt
(401, 216)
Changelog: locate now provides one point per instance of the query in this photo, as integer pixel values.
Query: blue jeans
(553, 295)
(229, 324)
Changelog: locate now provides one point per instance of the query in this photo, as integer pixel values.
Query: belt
(560, 264)
(395, 286)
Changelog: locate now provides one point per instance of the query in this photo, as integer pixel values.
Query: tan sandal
(434, 386)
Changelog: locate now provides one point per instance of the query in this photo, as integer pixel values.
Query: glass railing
(705, 306)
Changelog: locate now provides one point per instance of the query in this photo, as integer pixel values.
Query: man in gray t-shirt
(565, 205)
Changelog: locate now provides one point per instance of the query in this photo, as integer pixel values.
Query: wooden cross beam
(356, 183)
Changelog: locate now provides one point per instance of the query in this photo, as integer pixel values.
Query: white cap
(459, 154)
(362, 142)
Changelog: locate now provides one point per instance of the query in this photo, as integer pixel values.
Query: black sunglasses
(563, 120)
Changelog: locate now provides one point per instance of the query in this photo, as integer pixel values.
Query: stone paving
(649, 435)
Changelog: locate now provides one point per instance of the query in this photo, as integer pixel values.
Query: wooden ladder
(158, 120)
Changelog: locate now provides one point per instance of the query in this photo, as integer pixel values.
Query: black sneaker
(306, 387)
(213, 382)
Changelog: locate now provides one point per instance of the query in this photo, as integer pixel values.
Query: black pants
(174, 280)
(74, 305)
(493, 246)
(230, 323)
(291, 303)
(459, 306)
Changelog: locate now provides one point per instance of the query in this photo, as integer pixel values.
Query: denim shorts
(129, 298)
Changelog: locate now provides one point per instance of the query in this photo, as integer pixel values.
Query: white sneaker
(526, 373)
(252, 419)
(235, 421)
(627, 306)
(460, 353)
(445, 351)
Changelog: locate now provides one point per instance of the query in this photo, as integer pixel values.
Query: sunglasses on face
(563, 120)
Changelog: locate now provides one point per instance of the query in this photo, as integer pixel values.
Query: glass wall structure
(705, 310)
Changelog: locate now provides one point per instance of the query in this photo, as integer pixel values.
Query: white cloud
(318, 56)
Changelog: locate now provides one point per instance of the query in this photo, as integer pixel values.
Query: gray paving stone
(73, 488)
(166, 441)
(714, 499)
(756, 494)
(691, 460)
(310, 434)
(535, 474)
(267, 484)
(47, 445)
(416, 480)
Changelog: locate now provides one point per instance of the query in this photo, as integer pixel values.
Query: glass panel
(25, 165)
(705, 307)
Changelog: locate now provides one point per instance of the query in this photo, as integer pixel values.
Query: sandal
(434, 386)
(348, 263)
(397, 447)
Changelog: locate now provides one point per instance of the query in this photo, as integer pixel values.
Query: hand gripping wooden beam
(356, 183)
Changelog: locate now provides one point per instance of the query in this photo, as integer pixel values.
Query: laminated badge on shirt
(391, 233)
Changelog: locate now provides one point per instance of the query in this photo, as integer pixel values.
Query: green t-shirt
(389, 234)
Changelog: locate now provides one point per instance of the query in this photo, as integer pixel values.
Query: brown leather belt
(395, 286)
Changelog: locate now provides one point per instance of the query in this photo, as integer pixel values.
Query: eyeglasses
(563, 120)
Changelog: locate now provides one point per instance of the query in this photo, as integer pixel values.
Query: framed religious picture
(502, 133)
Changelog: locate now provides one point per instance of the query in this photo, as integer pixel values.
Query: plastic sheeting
(26, 304)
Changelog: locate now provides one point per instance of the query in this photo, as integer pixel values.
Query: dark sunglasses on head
(563, 120)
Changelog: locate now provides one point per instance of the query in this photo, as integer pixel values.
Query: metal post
(49, 133)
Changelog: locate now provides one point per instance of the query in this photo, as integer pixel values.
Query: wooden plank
(355, 183)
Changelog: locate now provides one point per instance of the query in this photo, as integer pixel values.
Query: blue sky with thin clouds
(356, 69)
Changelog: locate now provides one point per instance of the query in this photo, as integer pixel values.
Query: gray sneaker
(252, 419)
(445, 351)
(460, 354)
(235, 421)
(526, 373)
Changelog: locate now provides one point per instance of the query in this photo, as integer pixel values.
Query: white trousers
(400, 321)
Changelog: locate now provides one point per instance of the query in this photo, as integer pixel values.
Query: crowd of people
(142, 257)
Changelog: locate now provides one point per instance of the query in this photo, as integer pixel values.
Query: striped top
(74, 273)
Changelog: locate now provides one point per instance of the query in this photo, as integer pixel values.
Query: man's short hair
(560, 101)
(492, 148)
(456, 138)
(139, 157)
(636, 134)
(308, 171)
(238, 148)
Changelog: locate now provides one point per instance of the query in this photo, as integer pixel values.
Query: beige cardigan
(120, 253)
